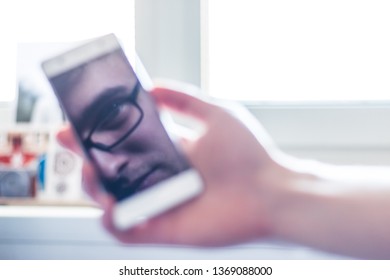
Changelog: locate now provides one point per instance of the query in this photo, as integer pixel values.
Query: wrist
(284, 196)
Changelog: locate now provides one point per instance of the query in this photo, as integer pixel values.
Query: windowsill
(347, 104)
(326, 126)
(48, 232)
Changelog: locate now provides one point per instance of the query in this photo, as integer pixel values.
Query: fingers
(137, 234)
(184, 103)
(67, 139)
(91, 184)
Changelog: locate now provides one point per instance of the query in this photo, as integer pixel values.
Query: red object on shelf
(17, 157)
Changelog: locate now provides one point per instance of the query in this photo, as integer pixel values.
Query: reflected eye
(114, 117)
(115, 121)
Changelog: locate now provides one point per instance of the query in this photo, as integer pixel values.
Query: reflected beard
(124, 187)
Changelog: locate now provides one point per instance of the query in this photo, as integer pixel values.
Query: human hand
(238, 172)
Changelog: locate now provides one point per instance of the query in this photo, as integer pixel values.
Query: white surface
(76, 233)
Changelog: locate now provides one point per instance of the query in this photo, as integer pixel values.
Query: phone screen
(118, 124)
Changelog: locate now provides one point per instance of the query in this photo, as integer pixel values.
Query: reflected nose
(110, 164)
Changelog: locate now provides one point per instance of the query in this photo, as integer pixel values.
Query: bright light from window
(64, 21)
(300, 50)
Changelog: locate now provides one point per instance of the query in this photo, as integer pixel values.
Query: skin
(252, 191)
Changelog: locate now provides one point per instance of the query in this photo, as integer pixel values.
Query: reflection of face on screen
(118, 125)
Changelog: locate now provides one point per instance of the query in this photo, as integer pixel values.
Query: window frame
(329, 126)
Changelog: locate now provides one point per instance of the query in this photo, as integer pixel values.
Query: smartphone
(121, 132)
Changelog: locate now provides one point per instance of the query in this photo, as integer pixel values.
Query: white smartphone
(120, 130)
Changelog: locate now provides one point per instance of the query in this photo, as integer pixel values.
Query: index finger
(184, 103)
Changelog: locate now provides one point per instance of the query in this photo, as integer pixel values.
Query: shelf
(45, 202)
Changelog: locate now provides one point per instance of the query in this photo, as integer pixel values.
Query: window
(336, 50)
(315, 73)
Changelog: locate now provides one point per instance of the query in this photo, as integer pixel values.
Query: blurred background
(315, 74)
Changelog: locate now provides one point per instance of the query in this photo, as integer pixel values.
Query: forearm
(337, 209)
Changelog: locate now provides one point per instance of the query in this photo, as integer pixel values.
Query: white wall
(6, 113)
